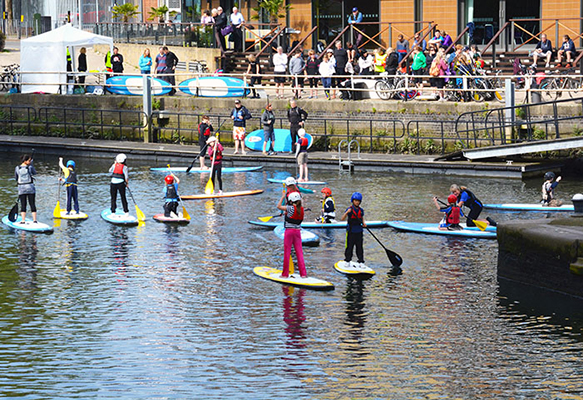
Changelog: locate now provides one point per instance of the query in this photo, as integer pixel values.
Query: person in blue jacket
(354, 229)
(145, 62)
(466, 198)
(171, 197)
(70, 182)
(356, 18)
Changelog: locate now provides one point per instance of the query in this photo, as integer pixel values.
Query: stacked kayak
(308, 238)
(28, 225)
(433, 229)
(529, 207)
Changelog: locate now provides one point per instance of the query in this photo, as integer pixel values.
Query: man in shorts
(239, 115)
(302, 155)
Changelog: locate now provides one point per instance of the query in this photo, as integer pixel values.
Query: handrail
(495, 37)
(334, 40)
(259, 38)
(456, 39)
(271, 41)
(303, 40)
(431, 27)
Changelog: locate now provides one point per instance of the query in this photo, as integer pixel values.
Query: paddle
(196, 158)
(139, 213)
(267, 219)
(210, 187)
(185, 213)
(57, 210)
(395, 259)
(480, 224)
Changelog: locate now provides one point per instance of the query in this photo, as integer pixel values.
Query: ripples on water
(98, 311)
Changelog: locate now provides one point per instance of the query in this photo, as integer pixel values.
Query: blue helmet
(356, 196)
(71, 163)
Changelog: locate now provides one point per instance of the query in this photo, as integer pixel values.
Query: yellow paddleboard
(354, 269)
(80, 215)
(294, 279)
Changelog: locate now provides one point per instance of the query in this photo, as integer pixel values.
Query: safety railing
(519, 32)
(16, 120)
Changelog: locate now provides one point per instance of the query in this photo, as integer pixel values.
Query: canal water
(99, 311)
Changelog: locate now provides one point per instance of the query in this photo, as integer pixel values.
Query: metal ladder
(347, 164)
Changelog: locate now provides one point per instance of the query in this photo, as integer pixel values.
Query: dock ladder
(347, 165)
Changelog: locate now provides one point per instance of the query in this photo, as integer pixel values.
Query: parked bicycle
(10, 77)
(398, 87)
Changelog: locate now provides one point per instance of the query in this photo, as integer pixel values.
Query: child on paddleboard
(23, 174)
(328, 207)
(452, 213)
(119, 181)
(354, 228)
(204, 131)
(302, 155)
(294, 216)
(548, 190)
(215, 152)
(70, 182)
(171, 197)
(290, 187)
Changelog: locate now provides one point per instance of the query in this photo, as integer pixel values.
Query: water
(99, 311)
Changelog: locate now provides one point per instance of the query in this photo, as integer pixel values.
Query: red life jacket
(355, 216)
(453, 216)
(303, 145)
(297, 217)
(118, 171)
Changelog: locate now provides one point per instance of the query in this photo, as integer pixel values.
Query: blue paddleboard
(254, 140)
(198, 170)
(214, 86)
(529, 207)
(133, 85)
(308, 238)
(28, 226)
(119, 218)
(280, 181)
(433, 228)
(318, 225)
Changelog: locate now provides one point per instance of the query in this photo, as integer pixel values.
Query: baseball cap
(355, 9)
(237, 101)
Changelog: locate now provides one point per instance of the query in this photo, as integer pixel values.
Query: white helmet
(302, 132)
(294, 196)
(290, 181)
(120, 158)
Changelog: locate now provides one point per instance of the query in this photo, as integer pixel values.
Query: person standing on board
(354, 228)
(119, 181)
(26, 191)
(214, 147)
(294, 216)
(302, 155)
(548, 190)
(70, 182)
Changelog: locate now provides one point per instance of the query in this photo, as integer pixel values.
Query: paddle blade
(394, 258)
(140, 214)
(265, 219)
(210, 187)
(57, 210)
(13, 213)
(481, 225)
(291, 265)
(185, 213)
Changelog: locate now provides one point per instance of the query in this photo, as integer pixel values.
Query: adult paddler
(466, 198)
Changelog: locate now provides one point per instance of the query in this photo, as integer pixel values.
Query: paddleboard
(214, 86)
(218, 196)
(119, 218)
(171, 220)
(529, 207)
(282, 144)
(308, 238)
(294, 279)
(198, 170)
(433, 228)
(74, 216)
(318, 225)
(353, 269)
(281, 181)
(28, 225)
(134, 85)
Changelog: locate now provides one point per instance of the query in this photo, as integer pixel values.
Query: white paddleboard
(273, 274)
(119, 218)
(353, 269)
(28, 225)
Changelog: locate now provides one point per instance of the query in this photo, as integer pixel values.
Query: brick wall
(552, 9)
(444, 13)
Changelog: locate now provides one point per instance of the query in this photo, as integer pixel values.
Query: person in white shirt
(365, 63)
(327, 69)
(237, 20)
(279, 69)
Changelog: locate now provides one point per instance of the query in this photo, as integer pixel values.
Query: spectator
(206, 18)
(220, 24)
(380, 61)
(171, 62)
(268, 120)
(116, 61)
(326, 70)
(431, 53)
(296, 117)
(355, 18)
(254, 70)
(312, 66)
(568, 50)
(237, 20)
(82, 66)
(418, 66)
(447, 41)
(437, 40)
(417, 41)
(437, 71)
(161, 62)
(297, 68)
(544, 48)
(239, 115)
(402, 47)
(365, 63)
(145, 62)
(392, 61)
(279, 70)
(341, 58)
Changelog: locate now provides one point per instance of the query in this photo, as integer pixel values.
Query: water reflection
(27, 260)
(355, 315)
(120, 248)
(293, 316)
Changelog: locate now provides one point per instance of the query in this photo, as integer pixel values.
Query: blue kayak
(280, 181)
(529, 207)
(198, 170)
(308, 238)
(119, 218)
(28, 226)
(318, 225)
(433, 229)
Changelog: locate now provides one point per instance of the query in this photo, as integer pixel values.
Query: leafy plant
(539, 134)
(274, 8)
(125, 11)
(577, 130)
(160, 13)
(429, 147)
(156, 104)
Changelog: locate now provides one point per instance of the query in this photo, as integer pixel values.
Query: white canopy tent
(47, 55)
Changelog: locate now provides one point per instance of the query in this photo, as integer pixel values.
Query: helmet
(452, 198)
(327, 191)
(301, 132)
(120, 158)
(169, 179)
(290, 181)
(71, 163)
(294, 196)
(356, 196)
(549, 176)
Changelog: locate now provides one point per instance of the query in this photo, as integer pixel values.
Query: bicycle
(553, 87)
(10, 77)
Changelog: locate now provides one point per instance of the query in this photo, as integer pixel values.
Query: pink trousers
(293, 237)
